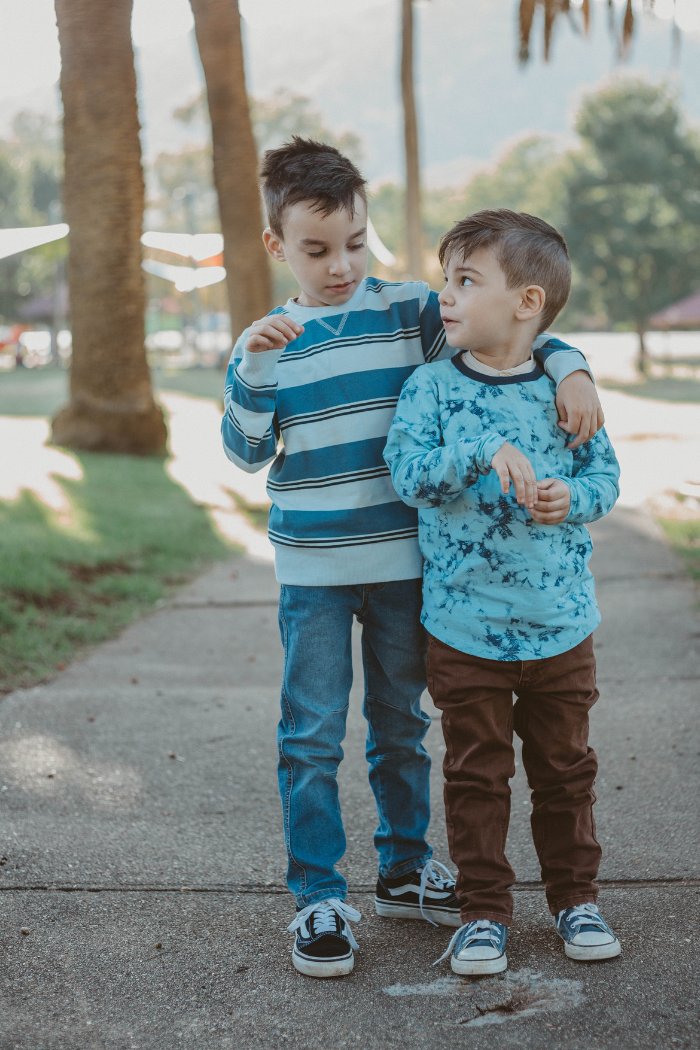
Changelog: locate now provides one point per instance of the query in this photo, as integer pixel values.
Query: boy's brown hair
(528, 250)
(305, 170)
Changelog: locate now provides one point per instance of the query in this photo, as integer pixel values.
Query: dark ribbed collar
(524, 377)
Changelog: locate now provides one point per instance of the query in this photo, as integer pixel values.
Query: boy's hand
(579, 409)
(272, 333)
(553, 501)
(511, 465)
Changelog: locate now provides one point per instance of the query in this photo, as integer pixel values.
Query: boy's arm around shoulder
(248, 429)
(594, 483)
(424, 471)
(580, 411)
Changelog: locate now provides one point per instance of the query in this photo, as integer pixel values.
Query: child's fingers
(524, 481)
(518, 482)
(547, 517)
(586, 428)
(504, 478)
(272, 335)
(530, 487)
(285, 326)
(546, 495)
(289, 327)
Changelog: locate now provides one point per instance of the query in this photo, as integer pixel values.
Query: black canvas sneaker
(421, 894)
(324, 941)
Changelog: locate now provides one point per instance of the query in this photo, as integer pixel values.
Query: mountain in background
(474, 99)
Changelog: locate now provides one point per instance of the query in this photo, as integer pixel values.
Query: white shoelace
(322, 915)
(586, 915)
(480, 926)
(431, 877)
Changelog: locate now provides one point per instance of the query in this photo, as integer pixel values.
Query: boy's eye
(464, 281)
(317, 255)
(356, 247)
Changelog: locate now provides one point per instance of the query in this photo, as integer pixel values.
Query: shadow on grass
(135, 534)
(666, 389)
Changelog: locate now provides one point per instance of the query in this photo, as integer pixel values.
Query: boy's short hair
(305, 170)
(528, 250)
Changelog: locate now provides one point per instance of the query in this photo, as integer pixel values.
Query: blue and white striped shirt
(330, 397)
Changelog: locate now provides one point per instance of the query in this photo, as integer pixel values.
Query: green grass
(199, 382)
(135, 535)
(41, 392)
(33, 392)
(666, 389)
(685, 539)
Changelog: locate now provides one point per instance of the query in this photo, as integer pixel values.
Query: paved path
(139, 807)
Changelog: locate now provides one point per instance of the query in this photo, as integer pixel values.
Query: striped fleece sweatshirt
(320, 411)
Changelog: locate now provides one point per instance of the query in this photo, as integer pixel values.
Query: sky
(30, 40)
(340, 38)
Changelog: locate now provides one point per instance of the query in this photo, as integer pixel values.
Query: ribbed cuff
(258, 370)
(491, 447)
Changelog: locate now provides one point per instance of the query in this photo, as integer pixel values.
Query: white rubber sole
(324, 967)
(412, 911)
(592, 952)
(476, 967)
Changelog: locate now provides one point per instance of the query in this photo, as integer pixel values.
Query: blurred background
(585, 112)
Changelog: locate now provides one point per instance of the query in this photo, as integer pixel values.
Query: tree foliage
(30, 190)
(632, 206)
(621, 28)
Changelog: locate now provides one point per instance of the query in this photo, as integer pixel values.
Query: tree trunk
(414, 225)
(111, 406)
(643, 355)
(218, 29)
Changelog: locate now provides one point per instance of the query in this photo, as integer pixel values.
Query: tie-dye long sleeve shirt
(496, 583)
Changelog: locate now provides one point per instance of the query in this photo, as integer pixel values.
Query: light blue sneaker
(586, 934)
(478, 947)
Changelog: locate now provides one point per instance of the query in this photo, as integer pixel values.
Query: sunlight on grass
(200, 466)
(27, 463)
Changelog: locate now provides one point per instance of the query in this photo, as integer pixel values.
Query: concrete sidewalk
(139, 808)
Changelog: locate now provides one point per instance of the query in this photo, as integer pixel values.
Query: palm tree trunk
(414, 227)
(111, 406)
(218, 29)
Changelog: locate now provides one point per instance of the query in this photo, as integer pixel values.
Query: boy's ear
(274, 245)
(531, 302)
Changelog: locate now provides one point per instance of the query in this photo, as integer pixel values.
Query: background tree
(218, 32)
(632, 208)
(111, 404)
(414, 222)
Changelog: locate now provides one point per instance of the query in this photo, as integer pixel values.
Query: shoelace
(323, 921)
(431, 877)
(586, 915)
(478, 928)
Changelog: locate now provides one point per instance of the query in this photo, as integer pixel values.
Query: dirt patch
(56, 601)
(498, 999)
(88, 573)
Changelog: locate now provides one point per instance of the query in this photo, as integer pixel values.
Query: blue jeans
(316, 625)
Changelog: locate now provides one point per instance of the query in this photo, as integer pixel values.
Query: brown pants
(550, 716)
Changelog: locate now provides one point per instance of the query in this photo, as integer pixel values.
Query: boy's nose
(340, 266)
(445, 298)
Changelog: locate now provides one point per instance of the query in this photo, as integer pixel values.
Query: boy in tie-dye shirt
(508, 599)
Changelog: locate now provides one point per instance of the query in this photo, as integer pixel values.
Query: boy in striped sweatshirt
(322, 376)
